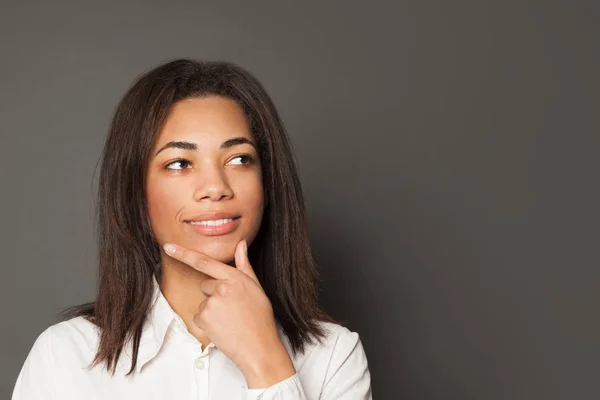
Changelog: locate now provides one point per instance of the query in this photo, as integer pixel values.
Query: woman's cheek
(164, 205)
(257, 201)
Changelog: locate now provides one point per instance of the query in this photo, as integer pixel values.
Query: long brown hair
(129, 255)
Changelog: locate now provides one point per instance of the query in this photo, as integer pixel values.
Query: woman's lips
(215, 230)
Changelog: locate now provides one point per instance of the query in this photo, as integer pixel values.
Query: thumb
(242, 263)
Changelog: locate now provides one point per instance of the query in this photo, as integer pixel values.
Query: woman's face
(205, 161)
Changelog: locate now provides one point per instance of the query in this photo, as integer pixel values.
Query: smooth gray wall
(448, 152)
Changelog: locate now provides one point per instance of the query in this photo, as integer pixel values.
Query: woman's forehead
(206, 121)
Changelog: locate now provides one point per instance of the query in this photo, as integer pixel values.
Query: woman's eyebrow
(193, 146)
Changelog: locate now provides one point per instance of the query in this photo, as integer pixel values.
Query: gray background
(448, 152)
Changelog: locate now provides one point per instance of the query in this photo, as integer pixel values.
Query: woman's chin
(220, 248)
(218, 252)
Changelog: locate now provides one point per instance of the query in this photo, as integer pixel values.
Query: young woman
(206, 277)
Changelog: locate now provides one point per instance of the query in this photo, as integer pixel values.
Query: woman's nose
(212, 183)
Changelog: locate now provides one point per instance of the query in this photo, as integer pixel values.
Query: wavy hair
(129, 255)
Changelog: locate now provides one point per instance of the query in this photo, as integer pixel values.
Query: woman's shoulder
(69, 342)
(333, 331)
(336, 365)
(55, 352)
(336, 339)
(65, 335)
(76, 326)
(342, 339)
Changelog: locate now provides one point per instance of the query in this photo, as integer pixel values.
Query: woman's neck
(180, 285)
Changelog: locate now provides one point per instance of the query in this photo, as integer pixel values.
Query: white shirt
(173, 365)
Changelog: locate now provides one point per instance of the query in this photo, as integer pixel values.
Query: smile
(212, 222)
(215, 227)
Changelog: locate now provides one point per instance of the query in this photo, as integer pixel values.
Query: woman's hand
(238, 316)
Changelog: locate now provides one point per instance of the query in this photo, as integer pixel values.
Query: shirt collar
(158, 322)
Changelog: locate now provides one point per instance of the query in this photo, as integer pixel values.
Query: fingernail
(245, 247)
(169, 248)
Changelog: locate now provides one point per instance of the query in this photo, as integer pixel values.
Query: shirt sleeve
(35, 378)
(348, 376)
(288, 389)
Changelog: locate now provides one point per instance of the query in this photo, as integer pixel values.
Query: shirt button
(198, 363)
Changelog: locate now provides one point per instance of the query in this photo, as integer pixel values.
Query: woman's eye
(245, 157)
(183, 162)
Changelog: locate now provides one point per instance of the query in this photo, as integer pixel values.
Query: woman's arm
(347, 376)
(35, 379)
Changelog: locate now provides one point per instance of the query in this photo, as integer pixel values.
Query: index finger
(198, 261)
